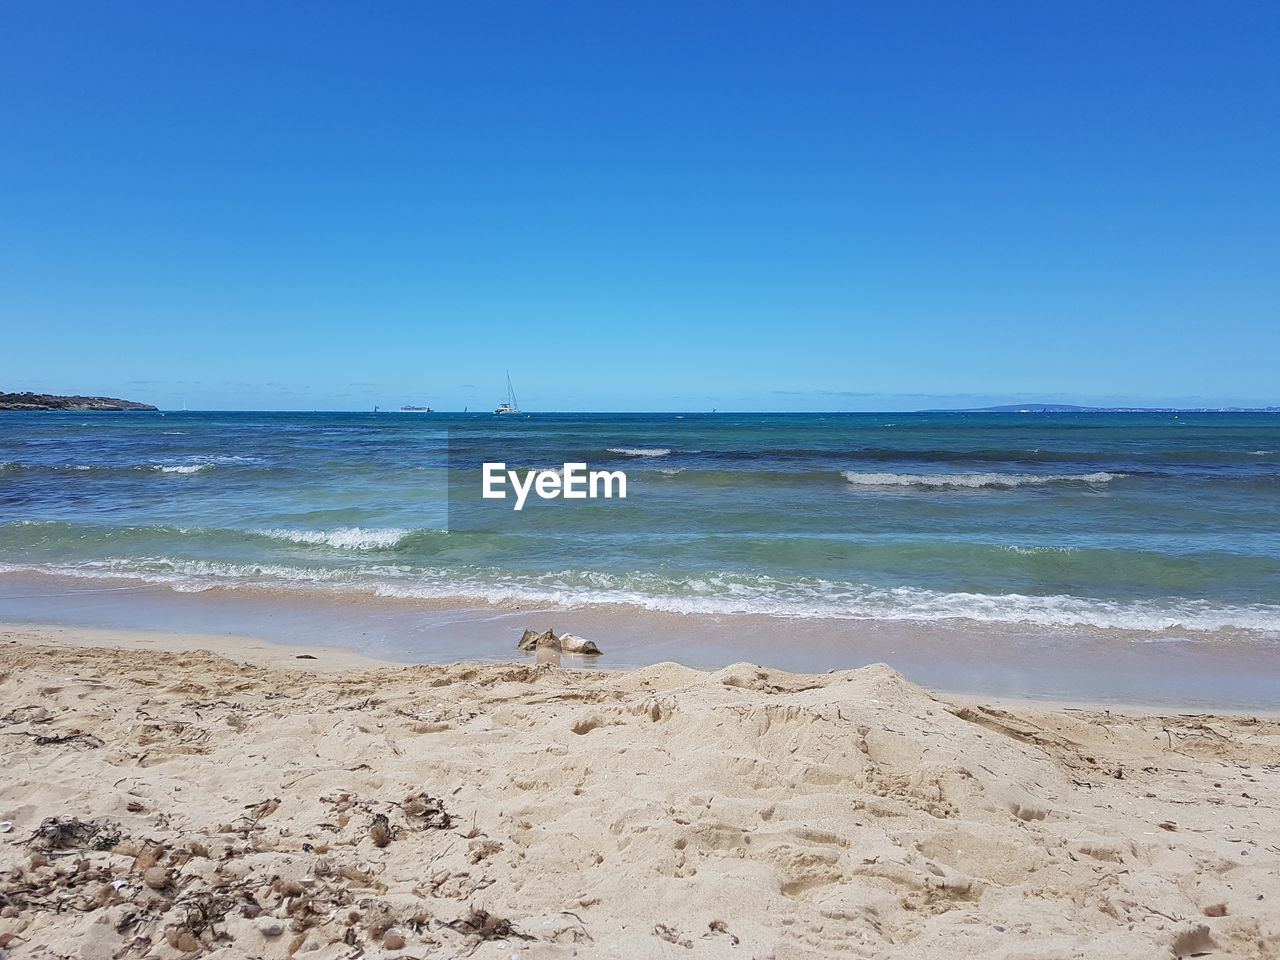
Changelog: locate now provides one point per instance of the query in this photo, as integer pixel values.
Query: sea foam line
(641, 451)
(197, 463)
(182, 467)
(343, 538)
(972, 480)
(708, 594)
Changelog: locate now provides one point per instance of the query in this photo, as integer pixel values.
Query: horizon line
(1018, 409)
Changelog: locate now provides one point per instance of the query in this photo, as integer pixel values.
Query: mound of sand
(181, 804)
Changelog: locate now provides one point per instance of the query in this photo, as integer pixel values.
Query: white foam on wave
(641, 451)
(188, 465)
(974, 481)
(182, 467)
(718, 594)
(187, 576)
(721, 595)
(343, 538)
(1026, 551)
(198, 463)
(16, 466)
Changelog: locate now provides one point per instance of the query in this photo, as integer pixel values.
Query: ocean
(1153, 522)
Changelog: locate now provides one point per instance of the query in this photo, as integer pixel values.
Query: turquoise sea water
(1151, 522)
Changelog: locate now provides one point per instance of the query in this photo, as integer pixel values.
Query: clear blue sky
(641, 206)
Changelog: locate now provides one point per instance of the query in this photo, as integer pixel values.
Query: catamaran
(509, 405)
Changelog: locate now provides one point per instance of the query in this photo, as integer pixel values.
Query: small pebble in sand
(270, 927)
(182, 940)
(393, 939)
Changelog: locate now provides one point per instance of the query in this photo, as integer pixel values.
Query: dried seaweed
(77, 737)
(426, 812)
(481, 925)
(70, 833)
(33, 713)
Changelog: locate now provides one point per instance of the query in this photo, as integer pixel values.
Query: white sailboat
(509, 405)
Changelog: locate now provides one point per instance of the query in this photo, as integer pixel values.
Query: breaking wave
(975, 481)
(709, 594)
(641, 451)
(344, 538)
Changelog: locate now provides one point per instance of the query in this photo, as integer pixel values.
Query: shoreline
(325, 660)
(181, 803)
(1059, 666)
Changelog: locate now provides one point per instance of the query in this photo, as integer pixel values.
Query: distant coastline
(48, 401)
(29, 401)
(1073, 408)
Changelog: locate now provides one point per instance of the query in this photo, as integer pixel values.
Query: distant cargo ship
(410, 408)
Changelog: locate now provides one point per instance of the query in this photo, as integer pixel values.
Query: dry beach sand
(163, 801)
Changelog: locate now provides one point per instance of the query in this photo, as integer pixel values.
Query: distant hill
(46, 401)
(1072, 408)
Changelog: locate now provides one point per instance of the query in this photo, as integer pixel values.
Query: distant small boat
(509, 405)
(410, 408)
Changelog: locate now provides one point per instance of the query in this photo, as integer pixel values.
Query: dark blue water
(1154, 522)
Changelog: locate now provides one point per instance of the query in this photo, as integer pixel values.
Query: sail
(511, 394)
(509, 405)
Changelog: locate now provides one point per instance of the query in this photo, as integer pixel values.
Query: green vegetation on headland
(46, 401)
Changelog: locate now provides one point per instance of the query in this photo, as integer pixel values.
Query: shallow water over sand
(1235, 671)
